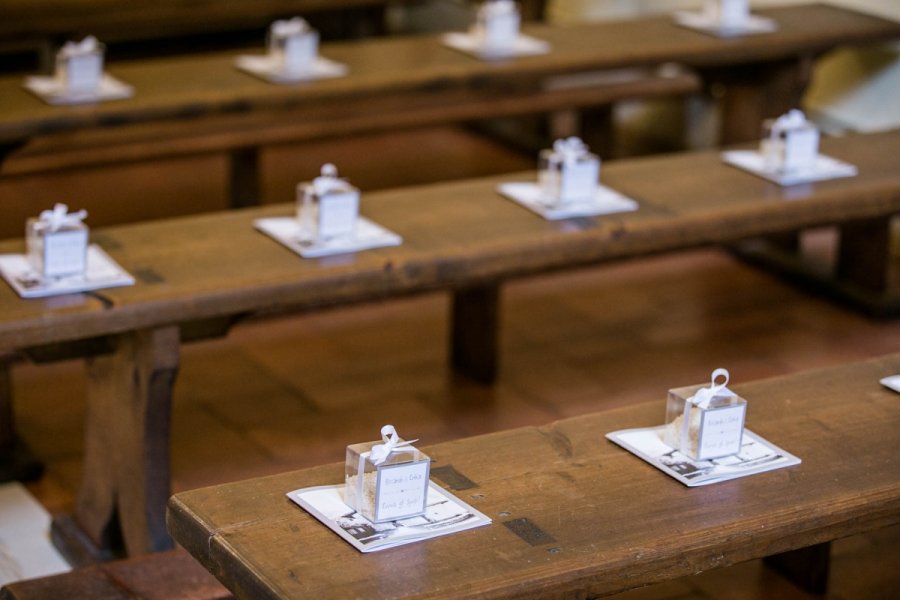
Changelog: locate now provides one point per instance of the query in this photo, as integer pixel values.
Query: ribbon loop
(392, 443)
(328, 181)
(792, 119)
(703, 396)
(290, 27)
(571, 149)
(60, 217)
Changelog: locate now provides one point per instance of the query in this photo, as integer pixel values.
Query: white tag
(338, 212)
(65, 252)
(401, 490)
(720, 431)
(579, 180)
(83, 73)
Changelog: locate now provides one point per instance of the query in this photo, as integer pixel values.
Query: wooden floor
(291, 392)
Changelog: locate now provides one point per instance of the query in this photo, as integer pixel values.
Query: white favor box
(790, 143)
(708, 430)
(293, 45)
(58, 253)
(728, 13)
(568, 172)
(497, 24)
(328, 207)
(386, 488)
(79, 66)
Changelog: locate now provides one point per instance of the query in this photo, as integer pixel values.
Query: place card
(101, 272)
(293, 56)
(386, 480)
(725, 18)
(892, 383)
(529, 195)
(289, 232)
(79, 77)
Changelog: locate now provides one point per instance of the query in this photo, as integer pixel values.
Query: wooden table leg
(243, 172)
(126, 481)
(16, 461)
(474, 341)
(865, 254)
(807, 568)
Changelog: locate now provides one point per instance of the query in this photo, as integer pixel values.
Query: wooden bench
(212, 270)
(201, 103)
(575, 515)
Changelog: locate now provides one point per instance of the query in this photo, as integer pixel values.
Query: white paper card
(300, 52)
(822, 169)
(400, 490)
(757, 455)
(53, 91)
(523, 45)
(706, 23)
(892, 382)
(84, 73)
(102, 272)
(720, 431)
(605, 201)
(270, 69)
(444, 514)
(579, 180)
(288, 231)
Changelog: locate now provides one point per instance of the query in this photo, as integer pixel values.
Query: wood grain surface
(611, 521)
(188, 88)
(455, 235)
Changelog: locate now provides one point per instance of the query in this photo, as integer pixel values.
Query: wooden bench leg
(243, 171)
(16, 461)
(807, 568)
(126, 481)
(865, 253)
(475, 332)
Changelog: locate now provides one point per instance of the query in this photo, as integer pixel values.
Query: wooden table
(574, 515)
(206, 104)
(198, 275)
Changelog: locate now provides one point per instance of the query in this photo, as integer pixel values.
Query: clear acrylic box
(727, 13)
(497, 24)
(705, 432)
(568, 172)
(789, 143)
(394, 488)
(56, 252)
(328, 207)
(293, 45)
(79, 66)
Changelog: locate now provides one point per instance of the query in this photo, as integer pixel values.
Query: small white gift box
(568, 172)
(293, 45)
(705, 422)
(497, 24)
(386, 480)
(79, 65)
(57, 242)
(328, 207)
(727, 13)
(790, 143)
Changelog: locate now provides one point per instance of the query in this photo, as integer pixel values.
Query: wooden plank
(616, 522)
(186, 88)
(17, 463)
(474, 337)
(807, 568)
(454, 234)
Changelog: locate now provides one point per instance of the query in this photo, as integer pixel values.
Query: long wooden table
(198, 275)
(207, 104)
(574, 515)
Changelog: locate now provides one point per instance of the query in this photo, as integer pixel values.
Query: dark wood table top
(412, 68)
(615, 522)
(455, 234)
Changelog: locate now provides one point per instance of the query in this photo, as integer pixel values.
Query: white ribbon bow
(703, 396)
(86, 46)
(328, 181)
(60, 217)
(497, 8)
(793, 119)
(571, 149)
(392, 443)
(290, 27)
